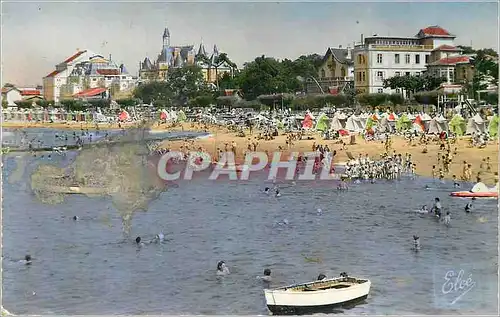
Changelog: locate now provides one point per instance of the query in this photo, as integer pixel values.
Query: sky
(37, 36)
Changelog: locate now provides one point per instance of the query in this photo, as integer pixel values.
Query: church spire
(201, 50)
(166, 37)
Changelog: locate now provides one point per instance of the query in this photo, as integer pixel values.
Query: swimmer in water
(468, 207)
(437, 207)
(424, 210)
(277, 192)
(27, 259)
(447, 218)
(267, 276)
(222, 269)
(427, 187)
(75, 218)
(416, 243)
(266, 190)
(284, 222)
(319, 211)
(321, 277)
(159, 238)
(138, 241)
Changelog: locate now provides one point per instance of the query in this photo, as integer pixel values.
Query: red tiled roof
(90, 92)
(452, 60)
(31, 92)
(73, 57)
(435, 30)
(108, 72)
(447, 48)
(53, 73)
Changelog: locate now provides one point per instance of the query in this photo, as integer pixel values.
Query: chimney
(340, 46)
(348, 56)
(362, 39)
(110, 57)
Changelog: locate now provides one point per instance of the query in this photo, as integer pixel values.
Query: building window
(398, 91)
(396, 58)
(427, 58)
(417, 59)
(380, 90)
(380, 75)
(342, 72)
(379, 58)
(407, 73)
(407, 59)
(322, 73)
(417, 74)
(398, 73)
(364, 76)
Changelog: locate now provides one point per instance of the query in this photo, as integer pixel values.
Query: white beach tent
(338, 122)
(476, 124)
(173, 115)
(384, 126)
(355, 124)
(426, 120)
(437, 125)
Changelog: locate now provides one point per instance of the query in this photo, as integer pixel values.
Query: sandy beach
(221, 135)
(474, 156)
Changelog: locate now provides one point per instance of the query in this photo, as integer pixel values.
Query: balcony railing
(395, 47)
(331, 79)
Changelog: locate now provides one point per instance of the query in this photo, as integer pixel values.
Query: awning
(90, 92)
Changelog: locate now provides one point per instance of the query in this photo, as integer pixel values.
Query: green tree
(373, 100)
(491, 98)
(427, 97)
(24, 104)
(412, 84)
(156, 92)
(5, 104)
(42, 103)
(223, 59)
(396, 99)
(72, 105)
(187, 83)
(202, 101)
(128, 102)
(100, 103)
(227, 81)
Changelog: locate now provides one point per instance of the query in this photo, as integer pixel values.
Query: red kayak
(467, 194)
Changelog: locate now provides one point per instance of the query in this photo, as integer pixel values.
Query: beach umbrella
(403, 123)
(322, 122)
(163, 114)
(124, 116)
(493, 126)
(280, 125)
(370, 122)
(307, 123)
(418, 124)
(392, 117)
(457, 125)
(181, 116)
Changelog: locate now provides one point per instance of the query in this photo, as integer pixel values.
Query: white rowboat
(317, 296)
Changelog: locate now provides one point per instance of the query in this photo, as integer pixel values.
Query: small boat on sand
(317, 296)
